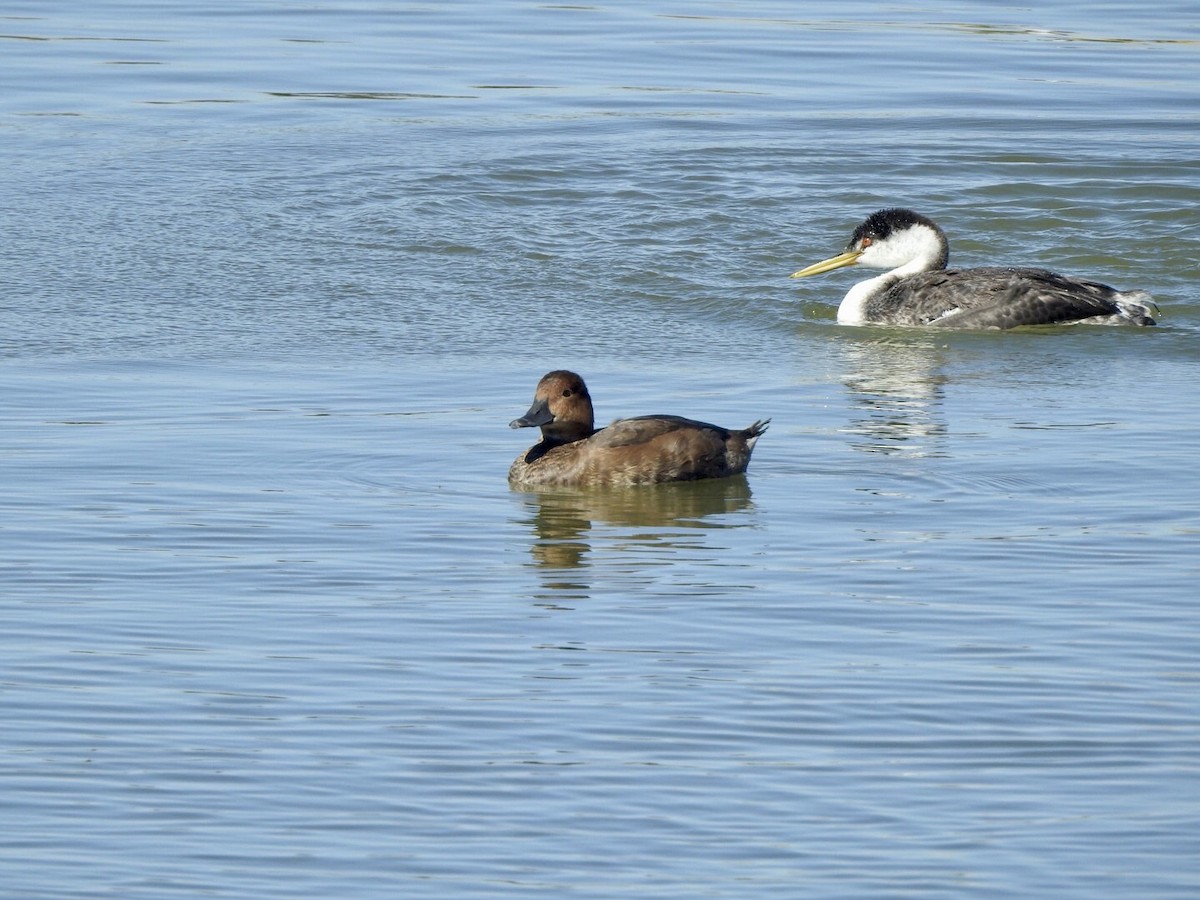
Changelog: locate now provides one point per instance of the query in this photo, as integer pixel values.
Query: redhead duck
(641, 450)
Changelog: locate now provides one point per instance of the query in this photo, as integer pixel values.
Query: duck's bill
(849, 258)
(539, 414)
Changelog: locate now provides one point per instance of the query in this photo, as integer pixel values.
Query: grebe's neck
(853, 308)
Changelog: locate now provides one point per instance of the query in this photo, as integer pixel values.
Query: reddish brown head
(562, 408)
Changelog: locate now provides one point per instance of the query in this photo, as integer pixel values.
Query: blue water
(275, 278)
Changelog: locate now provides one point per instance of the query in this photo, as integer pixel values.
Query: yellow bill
(849, 258)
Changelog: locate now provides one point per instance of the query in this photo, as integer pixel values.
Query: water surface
(275, 279)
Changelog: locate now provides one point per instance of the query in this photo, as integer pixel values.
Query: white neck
(853, 308)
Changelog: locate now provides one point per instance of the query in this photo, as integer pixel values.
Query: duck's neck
(560, 434)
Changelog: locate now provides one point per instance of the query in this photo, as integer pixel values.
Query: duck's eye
(567, 392)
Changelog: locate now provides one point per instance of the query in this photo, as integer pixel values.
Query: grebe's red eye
(865, 242)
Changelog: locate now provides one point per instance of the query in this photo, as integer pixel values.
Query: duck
(918, 289)
(633, 451)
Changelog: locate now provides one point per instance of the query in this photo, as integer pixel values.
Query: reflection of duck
(561, 519)
(641, 450)
(918, 289)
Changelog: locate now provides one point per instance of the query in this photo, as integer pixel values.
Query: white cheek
(915, 243)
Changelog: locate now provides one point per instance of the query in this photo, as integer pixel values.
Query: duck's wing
(643, 429)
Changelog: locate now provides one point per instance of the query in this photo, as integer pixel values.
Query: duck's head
(562, 408)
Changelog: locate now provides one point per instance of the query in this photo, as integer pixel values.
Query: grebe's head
(889, 239)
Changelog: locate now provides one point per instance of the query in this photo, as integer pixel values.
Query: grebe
(918, 289)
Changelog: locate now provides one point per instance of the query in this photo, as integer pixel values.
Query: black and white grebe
(918, 289)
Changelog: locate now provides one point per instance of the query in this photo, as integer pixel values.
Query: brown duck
(640, 450)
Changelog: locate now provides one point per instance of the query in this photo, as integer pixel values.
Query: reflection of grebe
(641, 450)
(918, 289)
(896, 385)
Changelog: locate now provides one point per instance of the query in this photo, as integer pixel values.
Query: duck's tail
(755, 431)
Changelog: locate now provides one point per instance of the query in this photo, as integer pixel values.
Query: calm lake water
(277, 275)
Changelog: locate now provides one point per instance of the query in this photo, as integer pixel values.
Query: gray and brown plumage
(640, 450)
(918, 289)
